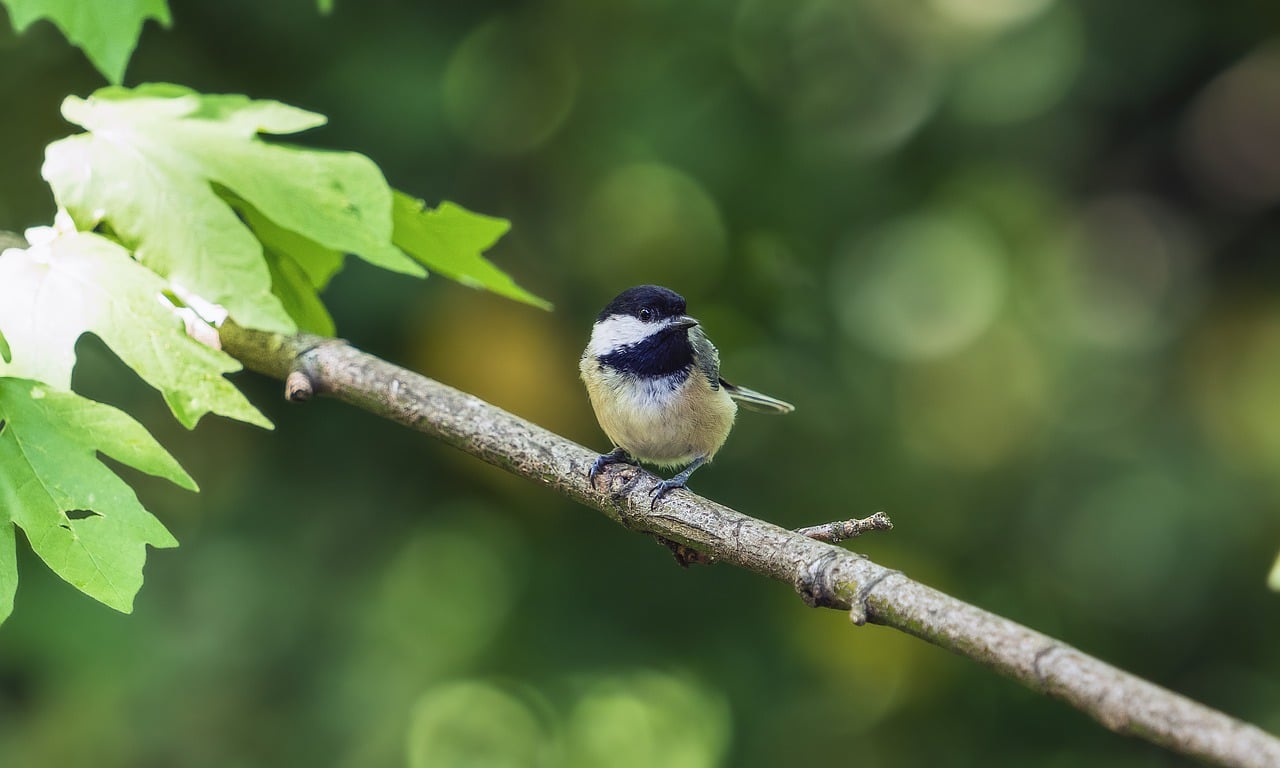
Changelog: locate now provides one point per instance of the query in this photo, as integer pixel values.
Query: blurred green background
(1014, 261)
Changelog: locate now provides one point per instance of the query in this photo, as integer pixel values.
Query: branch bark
(823, 574)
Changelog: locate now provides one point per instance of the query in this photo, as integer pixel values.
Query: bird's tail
(756, 401)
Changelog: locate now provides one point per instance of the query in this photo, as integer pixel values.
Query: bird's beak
(684, 321)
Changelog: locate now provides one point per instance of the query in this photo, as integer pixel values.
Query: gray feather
(756, 401)
(706, 356)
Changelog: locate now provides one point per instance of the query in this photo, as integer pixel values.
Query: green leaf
(79, 516)
(451, 239)
(5, 353)
(319, 264)
(1273, 580)
(291, 285)
(8, 568)
(73, 283)
(107, 32)
(300, 269)
(155, 160)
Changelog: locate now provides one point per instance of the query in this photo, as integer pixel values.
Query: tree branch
(823, 574)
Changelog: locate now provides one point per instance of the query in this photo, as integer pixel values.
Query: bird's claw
(616, 456)
(662, 488)
(596, 467)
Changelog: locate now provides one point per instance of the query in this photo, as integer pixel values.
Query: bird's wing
(756, 401)
(706, 355)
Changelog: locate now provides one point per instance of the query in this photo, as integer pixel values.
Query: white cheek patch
(617, 331)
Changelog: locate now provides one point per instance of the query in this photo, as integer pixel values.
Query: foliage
(71, 283)
(107, 32)
(172, 201)
(151, 167)
(80, 517)
(450, 239)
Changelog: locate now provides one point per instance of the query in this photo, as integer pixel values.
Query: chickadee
(654, 382)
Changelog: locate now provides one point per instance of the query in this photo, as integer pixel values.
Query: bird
(653, 379)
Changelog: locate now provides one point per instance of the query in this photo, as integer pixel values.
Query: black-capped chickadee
(654, 382)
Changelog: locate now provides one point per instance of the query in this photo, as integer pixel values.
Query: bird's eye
(646, 315)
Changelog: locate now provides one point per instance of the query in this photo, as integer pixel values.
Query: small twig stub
(840, 530)
(298, 386)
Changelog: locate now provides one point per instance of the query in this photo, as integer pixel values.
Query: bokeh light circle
(990, 15)
(651, 223)
(474, 723)
(921, 287)
(850, 77)
(1120, 274)
(1230, 136)
(1023, 73)
(506, 92)
(646, 719)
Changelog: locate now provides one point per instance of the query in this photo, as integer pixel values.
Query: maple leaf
(153, 165)
(450, 240)
(79, 516)
(106, 32)
(70, 283)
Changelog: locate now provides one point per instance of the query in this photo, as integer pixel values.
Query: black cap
(660, 302)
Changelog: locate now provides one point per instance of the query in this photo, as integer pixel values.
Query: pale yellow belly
(657, 424)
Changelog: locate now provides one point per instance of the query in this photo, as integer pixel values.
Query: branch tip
(838, 531)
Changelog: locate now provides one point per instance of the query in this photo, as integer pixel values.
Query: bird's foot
(616, 456)
(663, 487)
(678, 481)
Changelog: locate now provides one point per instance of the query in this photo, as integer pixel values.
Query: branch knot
(815, 584)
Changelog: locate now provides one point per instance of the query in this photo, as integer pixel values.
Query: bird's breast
(666, 420)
